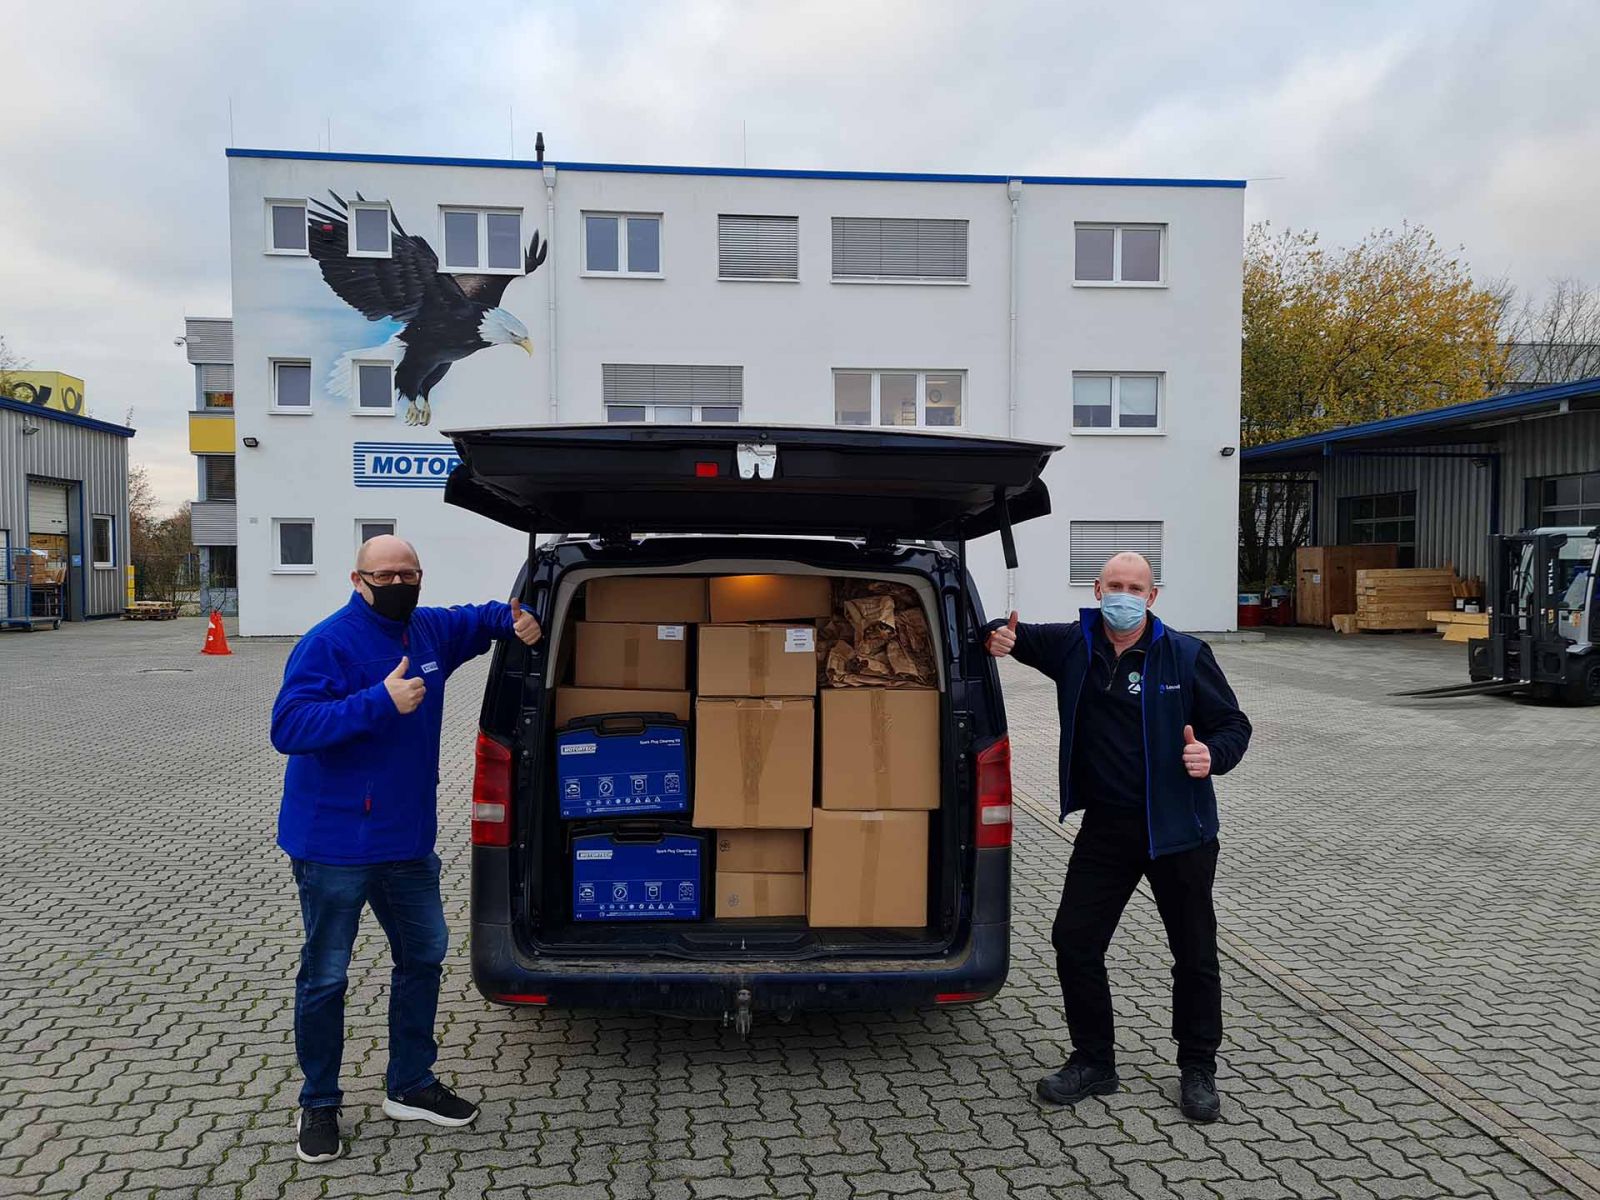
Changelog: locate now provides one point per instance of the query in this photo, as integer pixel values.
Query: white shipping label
(669, 633)
(799, 641)
(1316, 577)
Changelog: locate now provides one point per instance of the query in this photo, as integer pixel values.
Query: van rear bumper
(505, 973)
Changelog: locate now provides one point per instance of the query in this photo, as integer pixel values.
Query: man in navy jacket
(1147, 718)
(359, 716)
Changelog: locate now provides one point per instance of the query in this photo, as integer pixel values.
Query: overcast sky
(1478, 120)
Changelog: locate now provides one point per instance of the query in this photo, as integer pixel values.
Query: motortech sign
(402, 464)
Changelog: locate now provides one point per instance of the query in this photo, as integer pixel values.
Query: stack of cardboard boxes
(757, 735)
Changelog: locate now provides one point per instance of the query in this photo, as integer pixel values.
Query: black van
(869, 504)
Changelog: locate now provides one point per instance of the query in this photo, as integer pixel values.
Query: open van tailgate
(773, 479)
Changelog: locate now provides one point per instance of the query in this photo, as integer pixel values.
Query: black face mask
(395, 600)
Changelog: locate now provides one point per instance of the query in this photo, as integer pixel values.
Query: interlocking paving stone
(1425, 870)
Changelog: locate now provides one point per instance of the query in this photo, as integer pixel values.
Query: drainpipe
(550, 240)
(1014, 193)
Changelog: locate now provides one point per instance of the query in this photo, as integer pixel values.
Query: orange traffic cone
(216, 639)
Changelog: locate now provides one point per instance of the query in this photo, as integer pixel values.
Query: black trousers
(1111, 855)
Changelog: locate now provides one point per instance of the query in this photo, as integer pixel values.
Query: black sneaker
(1197, 1095)
(1078, 1081)
(317, 1135)
(434, 1103)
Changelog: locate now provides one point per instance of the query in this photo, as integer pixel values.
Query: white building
(1101, 314)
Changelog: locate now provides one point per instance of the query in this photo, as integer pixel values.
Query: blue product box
(625, 877)
(622, 767)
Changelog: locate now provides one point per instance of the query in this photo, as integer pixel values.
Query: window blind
(758, 247)
(1092, 542)
(899, 248)
(642, 383)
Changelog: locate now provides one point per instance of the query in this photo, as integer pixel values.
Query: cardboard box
(752, 763)
(771, 598)
(632, 656)
(760, 894)
(575, 702)
(648, 599)
(880, 748)
(765, 851)
(758, 660)
(868, 870)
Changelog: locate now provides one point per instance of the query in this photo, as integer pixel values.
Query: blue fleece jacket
(1183, 685)
(362, 781)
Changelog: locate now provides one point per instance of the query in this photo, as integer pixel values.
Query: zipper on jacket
(367, 805)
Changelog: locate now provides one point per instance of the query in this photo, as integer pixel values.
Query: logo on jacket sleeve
(429, 668)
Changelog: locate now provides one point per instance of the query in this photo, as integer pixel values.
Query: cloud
(1476, 119)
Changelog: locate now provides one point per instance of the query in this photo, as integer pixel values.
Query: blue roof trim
(70, 418)
(1454, 414)
(523, 164)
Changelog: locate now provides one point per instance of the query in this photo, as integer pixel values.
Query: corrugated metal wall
(70, 453)
(1453, 494)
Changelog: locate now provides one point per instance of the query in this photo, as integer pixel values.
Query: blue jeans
(405, 898)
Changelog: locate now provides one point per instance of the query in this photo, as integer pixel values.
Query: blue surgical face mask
(1122, 611)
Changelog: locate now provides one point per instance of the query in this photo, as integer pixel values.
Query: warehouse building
(1438, 483)
(1101, 314)
(64, 506)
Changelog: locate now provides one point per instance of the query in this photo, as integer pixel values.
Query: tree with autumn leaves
(1391, 325)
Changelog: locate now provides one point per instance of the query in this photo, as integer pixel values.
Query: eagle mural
(445, 316)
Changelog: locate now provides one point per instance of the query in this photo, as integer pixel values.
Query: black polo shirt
(1108, 735)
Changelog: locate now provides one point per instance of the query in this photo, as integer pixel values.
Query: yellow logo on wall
(45, 389)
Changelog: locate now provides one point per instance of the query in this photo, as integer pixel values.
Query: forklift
(1544, 623)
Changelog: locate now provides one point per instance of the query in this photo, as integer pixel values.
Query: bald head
(1128, 571)
(387, 553)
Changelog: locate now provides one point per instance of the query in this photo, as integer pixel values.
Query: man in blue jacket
(359, 716)
(1147, 718)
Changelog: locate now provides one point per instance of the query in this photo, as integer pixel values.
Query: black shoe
(317, 1135)
(1197, 1095)
(434, 1103)
(1078, 1081)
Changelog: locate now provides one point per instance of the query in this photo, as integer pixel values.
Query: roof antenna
(538, 147)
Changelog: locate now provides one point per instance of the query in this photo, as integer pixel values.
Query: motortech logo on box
(588, 855)
(581, 748)
(402, 464)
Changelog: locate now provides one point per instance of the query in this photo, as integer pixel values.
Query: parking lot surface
(1409, 896)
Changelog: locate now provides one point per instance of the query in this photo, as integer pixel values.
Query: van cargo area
(794, 697)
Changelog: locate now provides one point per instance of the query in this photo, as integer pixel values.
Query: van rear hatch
(879, 484)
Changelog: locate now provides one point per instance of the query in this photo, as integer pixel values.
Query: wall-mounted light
(29, 426)
(252, 442)
(1229, 451)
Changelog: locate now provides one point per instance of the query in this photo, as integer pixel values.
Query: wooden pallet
(150, 610)
(1400, 599)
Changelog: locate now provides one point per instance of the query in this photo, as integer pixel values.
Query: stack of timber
(1460, 626)
(150, 610)
(1402, 598)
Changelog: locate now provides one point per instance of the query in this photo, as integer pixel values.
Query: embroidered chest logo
(1135, 683)
(429, 668)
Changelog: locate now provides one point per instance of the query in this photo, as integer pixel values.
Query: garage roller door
(47, 508)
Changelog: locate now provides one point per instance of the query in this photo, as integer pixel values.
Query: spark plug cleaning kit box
(630, 875)
(622, 766)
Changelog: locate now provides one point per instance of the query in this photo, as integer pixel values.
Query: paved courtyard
(1410, 897)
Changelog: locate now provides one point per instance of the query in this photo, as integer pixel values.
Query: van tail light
(491, 794)
(994, 795)
(959, 997)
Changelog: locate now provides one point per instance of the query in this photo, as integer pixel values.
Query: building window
(216, 385)
(671, 393)
(374, 388)
(368, 528)
(292, 545)
(1569, 500)
(1387, 519)
(291, 385)
(369, 230)
(1109, 403)
(286, 227)
(905, 399)
(1091, 543)
(103, 543)
(217, 477)
(483, 239)
(1120, 254)
(763, 248)
(899, 250)
(222, 566)
(622, 244)
(219, 400)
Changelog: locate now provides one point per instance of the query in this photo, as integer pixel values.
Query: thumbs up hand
(1003, 640)
(1196, 754)
(524, 624)
(406, 693)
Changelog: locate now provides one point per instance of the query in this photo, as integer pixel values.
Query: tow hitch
(742, 1016)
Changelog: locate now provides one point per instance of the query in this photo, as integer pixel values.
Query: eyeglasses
(385, 578)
